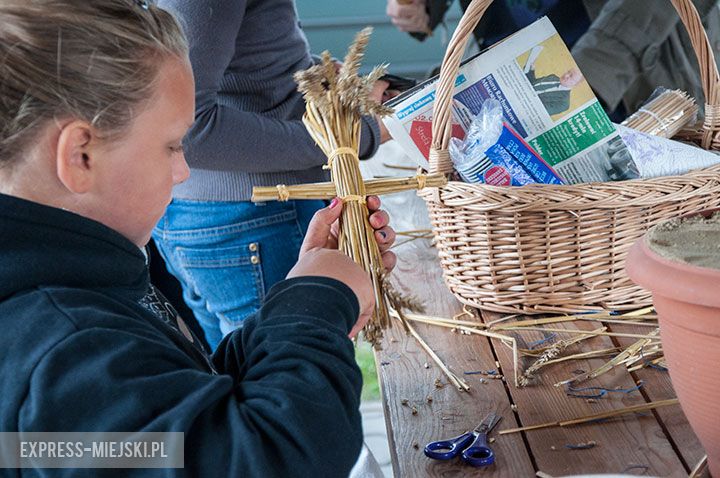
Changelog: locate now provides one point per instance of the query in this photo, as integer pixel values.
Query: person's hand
(384, 234)
(319, 255)
(408, 17)
(379, 90)
(380, 94)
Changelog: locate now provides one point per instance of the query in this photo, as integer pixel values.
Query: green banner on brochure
(573, 135)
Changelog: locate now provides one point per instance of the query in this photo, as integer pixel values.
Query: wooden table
(421, 405)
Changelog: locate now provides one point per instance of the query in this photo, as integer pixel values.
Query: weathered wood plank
(622, 443)
(659, 387)
(404, 377)
(401, 362)
(632, 441)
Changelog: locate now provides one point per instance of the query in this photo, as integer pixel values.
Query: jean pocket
(228, 279)
(212, 223)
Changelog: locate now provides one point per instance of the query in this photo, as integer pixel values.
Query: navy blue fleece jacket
(84, 349)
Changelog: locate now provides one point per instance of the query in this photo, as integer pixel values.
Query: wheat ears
(335, 100)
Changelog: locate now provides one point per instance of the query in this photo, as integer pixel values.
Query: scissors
(472, 445)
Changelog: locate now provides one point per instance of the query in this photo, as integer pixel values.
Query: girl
(95, 98)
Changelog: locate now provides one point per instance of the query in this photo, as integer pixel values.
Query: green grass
(366, 360)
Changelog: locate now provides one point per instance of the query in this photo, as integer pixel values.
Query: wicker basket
(544, 248)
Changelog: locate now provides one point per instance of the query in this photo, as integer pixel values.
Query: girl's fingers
(389, 260)
(385, 238)
(373, 203)
(379, 219)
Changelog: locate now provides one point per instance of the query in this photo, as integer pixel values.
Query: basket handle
(442, 116)
(708, 68)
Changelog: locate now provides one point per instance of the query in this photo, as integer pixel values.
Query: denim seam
(258, 272)
(215, 263)
(230, 229)
(301, 233)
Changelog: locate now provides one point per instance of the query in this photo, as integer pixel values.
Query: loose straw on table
(699, 469)
(478, 328)
(522, 325)
(584, 355)
(621, 358)
(461, 384)
(550, 353)
(629, 318)
(509, 342)
(599, 416)
(573, 332)
(658, 362)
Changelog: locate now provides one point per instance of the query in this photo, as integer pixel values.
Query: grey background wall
(331, 25)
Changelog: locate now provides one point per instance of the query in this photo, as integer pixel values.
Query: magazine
(545, 99)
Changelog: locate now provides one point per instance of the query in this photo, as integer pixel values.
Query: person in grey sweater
(247, 132)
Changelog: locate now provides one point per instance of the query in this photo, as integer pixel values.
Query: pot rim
(706, 213)
(687, 282)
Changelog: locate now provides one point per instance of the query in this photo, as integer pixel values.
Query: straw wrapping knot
(353, 197)
(337, 152)
(283, 193)
(663, 125)
(421, 180)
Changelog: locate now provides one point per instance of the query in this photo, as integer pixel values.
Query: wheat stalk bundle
(335, 101)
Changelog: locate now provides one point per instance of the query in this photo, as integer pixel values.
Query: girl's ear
(73, 159)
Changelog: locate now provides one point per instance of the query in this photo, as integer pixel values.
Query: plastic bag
(493, 153)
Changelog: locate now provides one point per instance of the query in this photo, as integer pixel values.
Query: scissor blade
(488, 423)
(494, 423)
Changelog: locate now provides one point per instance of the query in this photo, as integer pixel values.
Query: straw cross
(335, 101)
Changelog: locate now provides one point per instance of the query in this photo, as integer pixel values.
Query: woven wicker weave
(544, 248)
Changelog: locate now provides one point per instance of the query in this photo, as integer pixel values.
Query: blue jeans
(227, 255)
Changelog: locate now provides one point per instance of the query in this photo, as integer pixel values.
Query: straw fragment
(620, 359)
(530, 373)
(598, 416)
(700, 468)
(456, 380)
(469, 328)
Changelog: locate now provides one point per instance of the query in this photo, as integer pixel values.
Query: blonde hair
(94, 60)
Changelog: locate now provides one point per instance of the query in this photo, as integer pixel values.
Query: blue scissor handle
(448, 449)
(479, 453)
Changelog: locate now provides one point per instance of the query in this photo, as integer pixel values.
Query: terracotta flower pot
(687, 299)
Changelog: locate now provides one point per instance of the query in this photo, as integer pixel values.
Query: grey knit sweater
(248, 129)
